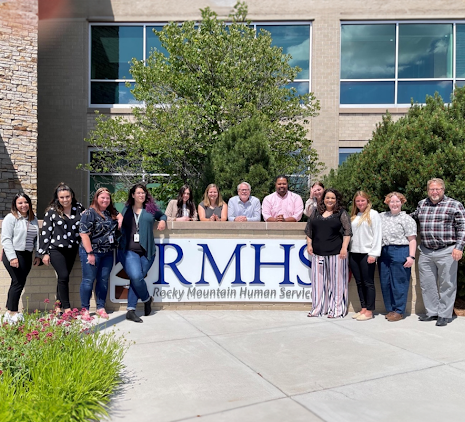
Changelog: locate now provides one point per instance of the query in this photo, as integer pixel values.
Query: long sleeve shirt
(250, 208)
(15, 232)
(289, 205)
(60, 231)
(441, 224)
(366, 238)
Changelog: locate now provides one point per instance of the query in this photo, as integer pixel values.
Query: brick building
(360, 59)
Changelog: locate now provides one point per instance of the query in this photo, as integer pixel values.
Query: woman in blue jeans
(98, 234)
(137, 247)
(397, 255)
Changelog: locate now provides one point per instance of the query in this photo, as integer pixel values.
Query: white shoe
(7, 318)
(18, 317)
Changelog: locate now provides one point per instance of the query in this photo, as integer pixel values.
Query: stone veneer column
(18, 100)
(325, 85)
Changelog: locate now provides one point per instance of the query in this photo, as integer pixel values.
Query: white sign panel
(225, 270)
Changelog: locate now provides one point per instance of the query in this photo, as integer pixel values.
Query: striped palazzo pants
(330, 280)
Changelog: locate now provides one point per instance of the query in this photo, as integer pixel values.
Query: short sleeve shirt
(396, 228)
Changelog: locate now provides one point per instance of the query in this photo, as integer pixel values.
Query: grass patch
(57, 369)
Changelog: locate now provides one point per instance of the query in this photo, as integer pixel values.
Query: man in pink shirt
(282, 205)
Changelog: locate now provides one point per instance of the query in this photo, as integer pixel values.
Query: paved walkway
(271, 366)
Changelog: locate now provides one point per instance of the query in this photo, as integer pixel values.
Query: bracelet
(90, 253)
(410, 256)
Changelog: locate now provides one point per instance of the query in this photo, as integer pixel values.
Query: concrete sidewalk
(282, 366)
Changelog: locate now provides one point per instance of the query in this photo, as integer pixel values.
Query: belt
(440, 247)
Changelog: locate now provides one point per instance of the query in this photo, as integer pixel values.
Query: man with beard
(282, 205)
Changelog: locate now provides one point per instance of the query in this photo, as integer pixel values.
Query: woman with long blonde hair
(213, 208)
(365, 248)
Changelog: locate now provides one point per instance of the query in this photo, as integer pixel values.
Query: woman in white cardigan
(365, 247)
(20, 230)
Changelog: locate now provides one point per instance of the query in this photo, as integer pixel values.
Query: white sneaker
(6, 318)
(18, 317)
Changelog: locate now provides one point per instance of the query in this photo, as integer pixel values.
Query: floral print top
(60, 231)
(102, 231)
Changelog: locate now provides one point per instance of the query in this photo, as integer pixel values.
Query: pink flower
(47, 301)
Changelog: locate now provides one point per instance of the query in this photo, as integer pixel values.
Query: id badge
(111, 239)
(136, 237)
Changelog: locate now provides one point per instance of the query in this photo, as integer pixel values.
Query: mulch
(459, 307)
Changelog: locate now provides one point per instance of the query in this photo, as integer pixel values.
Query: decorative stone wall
(18, 100)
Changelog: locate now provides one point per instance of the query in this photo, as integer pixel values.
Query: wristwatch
(410, 256)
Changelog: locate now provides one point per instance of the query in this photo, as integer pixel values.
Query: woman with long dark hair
(137, 247)
(328, 233)
(20, 230)
(182, 208)
(59, 239)
(98, 235)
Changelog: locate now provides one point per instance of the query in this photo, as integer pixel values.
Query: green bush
(57, 369)
(404, 154)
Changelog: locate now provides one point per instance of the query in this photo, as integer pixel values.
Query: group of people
(338, 243)
(282, 205)
(94, 233)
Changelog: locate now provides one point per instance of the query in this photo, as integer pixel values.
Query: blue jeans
(394, 277)
(136, 268)
(100, 272)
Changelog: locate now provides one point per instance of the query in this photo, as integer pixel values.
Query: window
(344, 153)
(391, 63)
(114, 46)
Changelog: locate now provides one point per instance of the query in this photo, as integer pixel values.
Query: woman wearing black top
(328, 235)
(59, 239)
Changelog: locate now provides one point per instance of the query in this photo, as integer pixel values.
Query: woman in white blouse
(365, 247)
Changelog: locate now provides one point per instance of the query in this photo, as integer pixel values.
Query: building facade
(359, 58)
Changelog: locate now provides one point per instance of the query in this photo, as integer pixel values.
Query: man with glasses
(442, 229)
(243, 206)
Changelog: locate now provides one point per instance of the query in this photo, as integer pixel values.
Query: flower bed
(57, 368)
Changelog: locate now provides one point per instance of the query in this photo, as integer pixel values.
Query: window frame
(144, 26)
(396, 80)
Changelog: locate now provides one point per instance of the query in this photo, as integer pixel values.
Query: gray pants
(438, 280)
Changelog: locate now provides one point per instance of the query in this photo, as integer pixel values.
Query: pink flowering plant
(57, 367)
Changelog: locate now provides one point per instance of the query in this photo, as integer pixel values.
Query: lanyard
(136, 219)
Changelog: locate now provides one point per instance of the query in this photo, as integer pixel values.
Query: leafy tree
(243, 154)
(403, 155)
(214, 76)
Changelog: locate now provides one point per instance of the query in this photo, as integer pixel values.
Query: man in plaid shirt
(442, 229)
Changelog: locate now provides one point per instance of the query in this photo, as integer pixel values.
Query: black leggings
(62, 260)
(364, 274)
(18, 277)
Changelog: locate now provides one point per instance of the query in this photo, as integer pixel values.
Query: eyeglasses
(435, 189)
(243, 190)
